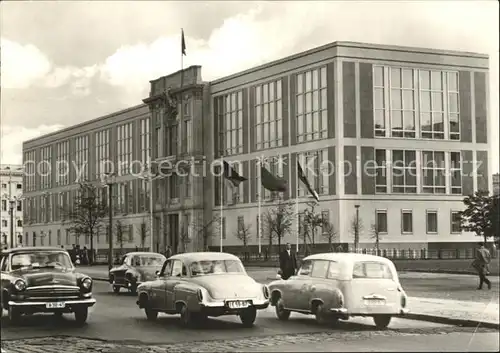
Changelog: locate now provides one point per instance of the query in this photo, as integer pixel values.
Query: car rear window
(371, 269)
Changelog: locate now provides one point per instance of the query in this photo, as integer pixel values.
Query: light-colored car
(202, 284)
(135, 268)
(336, 286)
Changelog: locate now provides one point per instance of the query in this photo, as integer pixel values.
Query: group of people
(81, 256)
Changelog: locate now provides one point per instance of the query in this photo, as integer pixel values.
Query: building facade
(11, 190)
(400, 132)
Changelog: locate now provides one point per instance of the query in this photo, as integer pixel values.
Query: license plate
(374, 302)
(238, 304)
(58, 305)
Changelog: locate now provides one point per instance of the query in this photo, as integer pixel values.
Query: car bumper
(343, 311)
(338, 311)
(220, 308)
(43, 304)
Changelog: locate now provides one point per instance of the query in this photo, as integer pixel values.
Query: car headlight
(265, 291)
(87, 283)
(20, 285)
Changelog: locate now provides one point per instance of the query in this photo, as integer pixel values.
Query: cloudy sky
(67, 62)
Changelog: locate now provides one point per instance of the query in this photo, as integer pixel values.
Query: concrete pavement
(116, 324)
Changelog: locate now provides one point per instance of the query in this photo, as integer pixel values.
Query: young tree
(356, 229)
(184, 237)
(312, 221)
(87, 214)
(207, 230)
(481, 214)
(329, 233)
(243, 234)
(119, 235)
(278, 221)
(376, 235)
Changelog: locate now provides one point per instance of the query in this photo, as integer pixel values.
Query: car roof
(347, 257)
(144, 253)
(32, 249)
(200, 256)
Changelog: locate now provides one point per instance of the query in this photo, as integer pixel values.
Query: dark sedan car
(135, 268)
(43, 279)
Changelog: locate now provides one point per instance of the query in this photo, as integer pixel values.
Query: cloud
(12, 138)
(22, 64)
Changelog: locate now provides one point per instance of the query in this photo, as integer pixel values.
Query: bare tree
(376, 236)
(356, 229)
(243, 234)
(329, 233)
(119, 235)
(143, 231)
(312, 221)
(86, 215)
(184, 237)
(278, 221)
(207, 230)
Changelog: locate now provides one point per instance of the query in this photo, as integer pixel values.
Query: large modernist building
(11, 190)
(400, 132)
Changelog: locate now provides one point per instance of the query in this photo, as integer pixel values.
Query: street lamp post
(356, 230)
(148, 175)
(110, 180)
(12, 204)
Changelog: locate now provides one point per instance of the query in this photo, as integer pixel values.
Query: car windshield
(41, 259)
(371, 269)
(147, 260)
(207, 267)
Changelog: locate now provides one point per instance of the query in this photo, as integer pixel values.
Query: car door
(159, 288)
(171, 282)
(318, 286)
(297, 287)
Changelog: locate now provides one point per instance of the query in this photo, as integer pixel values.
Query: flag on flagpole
(303, 179)
(183, 43)
(232, 175)
(271, 182)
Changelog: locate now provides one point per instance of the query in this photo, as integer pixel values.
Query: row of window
(18, 186)
(431, 222)
(407, 103)
(5, 223)
(5, 205)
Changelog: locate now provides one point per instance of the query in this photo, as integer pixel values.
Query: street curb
(451, 321)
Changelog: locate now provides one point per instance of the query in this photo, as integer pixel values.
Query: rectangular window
(311, 105)
(63, 163)
(268, 115)
(381, 221)
(172, 140)
(187, 186)
(404, 172)
(145, 140)
(102, 157)
(81, 158)
(315, 165)
(30, 171)
(19, 207)
(379, 88)
(258, 227)
(406, 222)
(46, 167)
(453, 106)
(381, 177)
(241, 223)
(432, 104)
(233, 194)
(223, 225)
(173, 187)
(433, 172)
(402, 101)
(124, 148)
(432, 222)
(325, 217)
(371, 269)
(230, 111)
(187, 136)
(455, 225)
(456, 173)
(275, 166)
(4, 205)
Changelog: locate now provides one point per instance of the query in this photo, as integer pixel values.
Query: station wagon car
(203, 284)
(336, 286)
(135, 268)
(43, 279)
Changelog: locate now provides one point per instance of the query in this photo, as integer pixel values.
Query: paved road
(116, 318)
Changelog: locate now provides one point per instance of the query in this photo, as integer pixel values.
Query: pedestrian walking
(288, 262)
(168, 252)
(481, 264)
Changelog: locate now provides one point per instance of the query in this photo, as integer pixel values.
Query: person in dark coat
(288, 262)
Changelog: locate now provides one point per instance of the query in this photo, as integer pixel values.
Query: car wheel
(281, 312)
(248, 317)
(186, 317)
(382, 321)
(81, 314)
(319, 312)
(116, 289)
(14, 314)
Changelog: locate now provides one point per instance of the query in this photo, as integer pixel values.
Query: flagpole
(297, 221)
(221, 204)
(260, 204)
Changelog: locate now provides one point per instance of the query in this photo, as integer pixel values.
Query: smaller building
(496, 184)
(11, 190)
